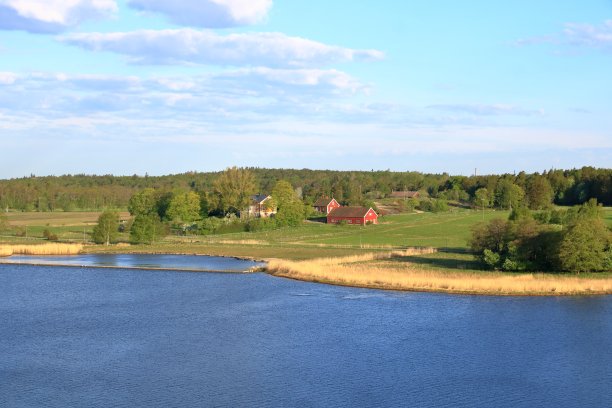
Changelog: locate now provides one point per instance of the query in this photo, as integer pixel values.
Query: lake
(123, 338)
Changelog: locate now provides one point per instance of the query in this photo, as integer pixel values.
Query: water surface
(123, 338)
(141, 261)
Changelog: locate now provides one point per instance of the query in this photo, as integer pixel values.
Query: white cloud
(188, 46)
(590, 35)
(7, 78)
(208, 13)
(577, 35)
(51, 16)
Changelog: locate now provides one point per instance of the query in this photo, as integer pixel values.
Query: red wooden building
(326, 205)
(353, 215)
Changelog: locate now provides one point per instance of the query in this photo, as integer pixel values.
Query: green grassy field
(448, 231)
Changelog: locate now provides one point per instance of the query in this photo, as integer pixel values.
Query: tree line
(535, 190)
(572, 240)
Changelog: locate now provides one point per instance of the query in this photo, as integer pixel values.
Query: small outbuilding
(353, 216)
(326, 205)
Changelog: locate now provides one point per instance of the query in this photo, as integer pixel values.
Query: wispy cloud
(247, 92)
(51, 16)
(208, 13)
(189, 46)
(488, 110)
(577, 35)
(589, 35)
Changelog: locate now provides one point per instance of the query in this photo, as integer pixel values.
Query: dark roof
(404, 194)
(322, 202)
(353, 212)
(259, 198)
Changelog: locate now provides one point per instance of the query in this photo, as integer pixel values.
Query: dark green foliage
(539, 193)
(586, 247)
(526, 244)
(146, 229)
(290, 208)
(519, 213)
(107, 229)
(143, 203)
(85, 192)
(261, 224)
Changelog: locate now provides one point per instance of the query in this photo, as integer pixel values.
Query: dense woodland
(538, 190)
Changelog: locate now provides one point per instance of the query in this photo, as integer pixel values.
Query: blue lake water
(143, 261)
(123, 338)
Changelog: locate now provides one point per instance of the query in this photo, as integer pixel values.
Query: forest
(97, 192)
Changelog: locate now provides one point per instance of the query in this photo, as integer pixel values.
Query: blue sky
(159, 87)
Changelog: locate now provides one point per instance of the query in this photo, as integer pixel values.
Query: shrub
(491, 259)
(49, 235)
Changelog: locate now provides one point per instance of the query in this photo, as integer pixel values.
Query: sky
(162, 87)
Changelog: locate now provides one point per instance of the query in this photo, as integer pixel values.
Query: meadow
(409, 251)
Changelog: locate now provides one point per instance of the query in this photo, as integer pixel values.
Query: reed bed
(356, 271)
(42, 249)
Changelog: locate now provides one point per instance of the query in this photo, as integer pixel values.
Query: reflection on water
(144, 261)
(123, 338)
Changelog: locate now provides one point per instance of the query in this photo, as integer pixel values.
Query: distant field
(450, 231)
(55, 219)
(68, 226)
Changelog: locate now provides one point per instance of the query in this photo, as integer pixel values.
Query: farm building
(353, 215)
(260, 207)
(326, 205)
(405, 194)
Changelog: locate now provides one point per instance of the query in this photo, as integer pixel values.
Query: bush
(49, 235)
(491, 259)
(261, 224)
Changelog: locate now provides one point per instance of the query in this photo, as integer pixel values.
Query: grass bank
(42, 249)
(392, 271)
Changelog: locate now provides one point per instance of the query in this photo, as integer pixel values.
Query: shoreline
(381, 272)
(437, 290)
(357, 272)
(138, 268)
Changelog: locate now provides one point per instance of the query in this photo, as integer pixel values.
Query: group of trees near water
(85, 192)
(572, 240)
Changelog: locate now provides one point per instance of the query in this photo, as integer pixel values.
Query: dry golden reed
(353, 271)
(42, 249)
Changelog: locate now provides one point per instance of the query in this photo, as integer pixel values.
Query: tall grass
(43, 249)
(365, 271)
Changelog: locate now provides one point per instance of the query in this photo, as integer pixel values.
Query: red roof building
(353, 216)
(326, 205)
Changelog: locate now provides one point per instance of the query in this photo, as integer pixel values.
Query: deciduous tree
(233, 189)
(184, 207)
(107, 229)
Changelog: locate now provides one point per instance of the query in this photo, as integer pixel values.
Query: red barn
(353, 215)
(326, 205)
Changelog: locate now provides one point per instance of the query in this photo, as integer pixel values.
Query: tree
(146, 229)
(481, 198)
(508, 195)
(107, 229)
(143, 202)
(586, 246)
(184, 207)
(290, 207)
(539, 193)
(233, 189)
